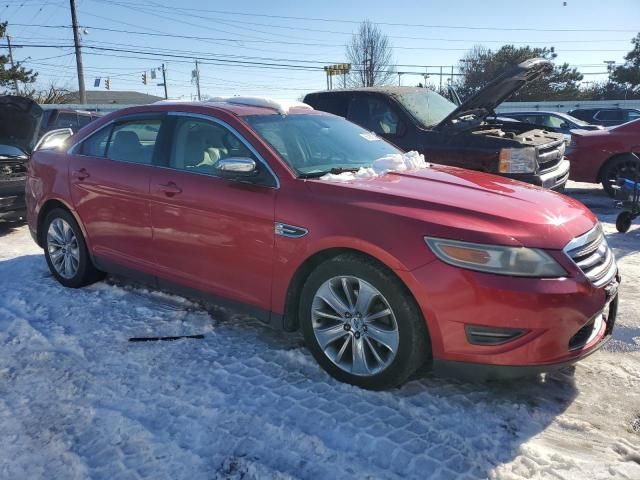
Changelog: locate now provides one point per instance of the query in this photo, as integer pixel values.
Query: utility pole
(15, 81)
(164, 82)
(76, 42)
(440, 78)
(197, 80)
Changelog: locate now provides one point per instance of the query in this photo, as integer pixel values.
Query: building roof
(117, 97)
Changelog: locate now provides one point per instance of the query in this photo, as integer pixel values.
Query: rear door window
(134, 141)
(96, 144)
(610, 115)
(67, 120)
(338, 104)
(84, 120)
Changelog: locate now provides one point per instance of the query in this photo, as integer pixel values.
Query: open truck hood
(19, 122)
(485, 101)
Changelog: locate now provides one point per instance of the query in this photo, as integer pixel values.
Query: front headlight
(517, 160)
(517, 261)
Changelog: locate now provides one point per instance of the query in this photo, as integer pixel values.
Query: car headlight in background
(516, 261)
(517, 160)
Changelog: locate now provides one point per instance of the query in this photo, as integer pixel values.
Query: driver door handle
(170, 189)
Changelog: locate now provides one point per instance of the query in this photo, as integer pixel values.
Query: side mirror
(236, 167)
(53, 139)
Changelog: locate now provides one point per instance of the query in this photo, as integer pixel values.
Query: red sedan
(604, 156)
(282, 211)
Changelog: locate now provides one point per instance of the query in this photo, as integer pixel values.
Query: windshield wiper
(335, 171)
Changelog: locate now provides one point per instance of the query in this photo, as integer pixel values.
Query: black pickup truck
(19, 127)
(469, 135)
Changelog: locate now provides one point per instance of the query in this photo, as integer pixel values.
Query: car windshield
(426, 106)
(313, 145)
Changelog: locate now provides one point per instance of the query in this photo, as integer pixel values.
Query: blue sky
(432, 33)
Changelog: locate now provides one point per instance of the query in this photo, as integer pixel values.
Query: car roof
(236, 109)
(384, 89)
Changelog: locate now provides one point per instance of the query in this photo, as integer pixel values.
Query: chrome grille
(550, 154)
(591, 253)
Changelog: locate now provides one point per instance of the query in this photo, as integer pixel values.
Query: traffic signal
(107, 84)
(144, 78)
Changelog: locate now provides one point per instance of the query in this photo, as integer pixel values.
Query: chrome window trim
(240, 137)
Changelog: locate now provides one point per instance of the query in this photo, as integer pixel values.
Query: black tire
(624, 166)
(86, 272)
(623, 221)
(413, 346)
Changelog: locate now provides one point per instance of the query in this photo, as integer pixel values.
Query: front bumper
(552, 312)
(553, 179)
(478, 372)
(13, 207)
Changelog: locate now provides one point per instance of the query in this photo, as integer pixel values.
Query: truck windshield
(313, 145)
(426, 106)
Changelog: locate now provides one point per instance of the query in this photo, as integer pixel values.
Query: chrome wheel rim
(63, 248)
(354, 325)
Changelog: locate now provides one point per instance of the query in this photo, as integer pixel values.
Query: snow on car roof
(281, 106)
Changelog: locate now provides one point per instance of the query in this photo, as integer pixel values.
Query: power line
(419, 25)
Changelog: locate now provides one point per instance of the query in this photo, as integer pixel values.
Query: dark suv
(468, 135)
(606, 117)
(66, 118)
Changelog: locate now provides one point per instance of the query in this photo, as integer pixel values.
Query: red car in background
(276, 209)
(604, 156)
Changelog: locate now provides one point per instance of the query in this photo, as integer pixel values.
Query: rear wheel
(66, 251)
(361, 324)
(624, 166)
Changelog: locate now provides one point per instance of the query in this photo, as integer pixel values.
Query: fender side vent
(480, 335)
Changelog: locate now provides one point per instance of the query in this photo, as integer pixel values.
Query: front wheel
(66, 251)
(361, 324)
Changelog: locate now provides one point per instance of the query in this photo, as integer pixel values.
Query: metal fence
(564, 106)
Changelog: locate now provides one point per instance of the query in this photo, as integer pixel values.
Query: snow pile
(281, 106)
(395, 162)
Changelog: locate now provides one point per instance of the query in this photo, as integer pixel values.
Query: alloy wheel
(354, 325)
(63, 248)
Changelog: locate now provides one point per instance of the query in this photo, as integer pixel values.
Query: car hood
(485, 101)
(467, 205)
(19, 122)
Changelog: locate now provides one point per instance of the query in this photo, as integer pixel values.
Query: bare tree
(370, 54)
(52, 94)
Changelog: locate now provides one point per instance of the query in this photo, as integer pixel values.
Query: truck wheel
(624, 166)
(66, 251)
(361, 324)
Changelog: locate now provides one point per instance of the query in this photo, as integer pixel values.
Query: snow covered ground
(77, 400)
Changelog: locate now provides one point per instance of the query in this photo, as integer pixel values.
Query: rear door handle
(80, 174)
(170, 189)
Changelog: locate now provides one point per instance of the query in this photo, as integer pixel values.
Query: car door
(109, 176)
(211, 233)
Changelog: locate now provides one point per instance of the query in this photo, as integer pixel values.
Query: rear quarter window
(337, 104)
